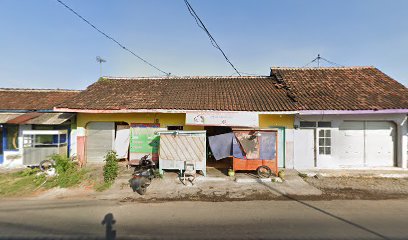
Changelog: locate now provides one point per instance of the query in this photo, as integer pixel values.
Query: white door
(99, 140)
(349, 144)
(380, 144)
(366, 143)
(304, 156)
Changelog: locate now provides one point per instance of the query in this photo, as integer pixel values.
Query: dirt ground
(223, 188)
(360, 188)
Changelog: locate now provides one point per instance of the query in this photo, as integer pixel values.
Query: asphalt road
(60, 219)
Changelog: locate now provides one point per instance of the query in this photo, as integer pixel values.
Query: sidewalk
(386, 172)
(216, 186)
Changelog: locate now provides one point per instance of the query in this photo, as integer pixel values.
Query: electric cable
(212, 40)
(111, 38)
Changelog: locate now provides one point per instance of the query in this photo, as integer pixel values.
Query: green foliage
(20, 183)
(100, 187)
(28, 172)
(157, 174)
(69, 174)
(63, 164)
(111, 168)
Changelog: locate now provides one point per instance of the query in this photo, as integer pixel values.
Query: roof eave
(160, 111)
(340, 112)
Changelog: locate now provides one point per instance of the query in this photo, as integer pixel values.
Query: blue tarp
(225, 145)
(267, 145)
(221, 145)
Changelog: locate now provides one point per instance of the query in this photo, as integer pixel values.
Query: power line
(212, 40)
(317, 60)
(111, 38)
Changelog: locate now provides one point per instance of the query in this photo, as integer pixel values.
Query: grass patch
(20, 183)
(69, 175)
(102, 186)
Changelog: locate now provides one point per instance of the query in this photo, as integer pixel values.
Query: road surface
(103, 219)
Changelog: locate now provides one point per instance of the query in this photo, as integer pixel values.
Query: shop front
(260, 137)
(135, 134)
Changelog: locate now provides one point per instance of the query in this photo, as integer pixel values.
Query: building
(215, 104)
(325, 117)
(30, 110)
(347, 117)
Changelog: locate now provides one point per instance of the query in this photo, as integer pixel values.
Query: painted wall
(286, 121)
(335, 160)
(276, 120)
(14, 159)
(178, 119)
(165, 119)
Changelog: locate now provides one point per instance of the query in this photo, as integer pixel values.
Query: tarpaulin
(221, 145)
(122, 141)
(244, 145)
(267, 145)
(236, 149)
(249, 143)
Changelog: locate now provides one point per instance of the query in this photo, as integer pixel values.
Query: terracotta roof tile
(347, 88)
(184, 93)
(33, 99)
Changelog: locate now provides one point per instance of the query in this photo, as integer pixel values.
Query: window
(306, 124)
(324, 124)
(175, 128)
(324, 141)
(12, 137)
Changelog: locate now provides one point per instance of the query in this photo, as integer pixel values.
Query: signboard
(231, 119)
(143, 140)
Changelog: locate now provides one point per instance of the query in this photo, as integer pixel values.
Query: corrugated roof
(5, 117)
(50, 118)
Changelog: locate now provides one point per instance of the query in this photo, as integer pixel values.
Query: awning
(22, 119)
(50, 118)
(5, 117)
(35, 118)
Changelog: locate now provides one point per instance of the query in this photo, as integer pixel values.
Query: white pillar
(402, 143)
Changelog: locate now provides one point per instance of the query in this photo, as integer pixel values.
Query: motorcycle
(143, 175)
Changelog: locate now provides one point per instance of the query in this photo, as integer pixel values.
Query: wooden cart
(254, 164)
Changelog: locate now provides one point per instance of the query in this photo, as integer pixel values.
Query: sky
(43, 45)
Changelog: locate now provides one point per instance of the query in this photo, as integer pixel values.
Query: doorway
(225, 163)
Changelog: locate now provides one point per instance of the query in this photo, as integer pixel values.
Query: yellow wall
(165, 119)
(174, 119)
(276, 120)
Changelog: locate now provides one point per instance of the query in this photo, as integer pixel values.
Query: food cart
(255, 150)
(251, 149)
(39, 145)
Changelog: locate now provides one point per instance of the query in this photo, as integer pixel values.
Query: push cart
(256, 150)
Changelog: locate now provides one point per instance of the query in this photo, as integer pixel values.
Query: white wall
(14, 159)
(335, 160)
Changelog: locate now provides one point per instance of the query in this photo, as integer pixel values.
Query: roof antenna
(100, 61)
(317, 60)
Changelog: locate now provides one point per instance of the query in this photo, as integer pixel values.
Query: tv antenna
(100, 61)
(318, 61)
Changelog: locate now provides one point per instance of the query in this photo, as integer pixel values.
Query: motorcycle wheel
(141, 190)
(264, 171)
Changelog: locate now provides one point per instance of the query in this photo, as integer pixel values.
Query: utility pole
(100, 61)
(318, 60)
